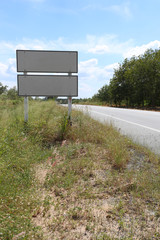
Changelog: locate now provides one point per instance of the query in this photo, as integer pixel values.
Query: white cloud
(111, 67)
(87, 64)
(12, 60)
(92, 44)
(13, 69)
(8, 83)
(138, 50)
(85, 88)
(33, 44)
(3, 69)
(92, 76)
(99, 49)
(109, 44)
(122, 10)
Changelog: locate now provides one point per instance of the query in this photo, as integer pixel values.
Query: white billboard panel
(47, 85)
(47, 61)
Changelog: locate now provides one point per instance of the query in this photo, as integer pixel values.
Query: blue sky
(104, 32)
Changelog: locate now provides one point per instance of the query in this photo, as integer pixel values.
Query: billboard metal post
(26, 109)
(69, 107)
(25, 105)
(69, 104)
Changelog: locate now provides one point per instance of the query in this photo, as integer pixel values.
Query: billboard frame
(51, 64)
(53, 78)
(50, 52)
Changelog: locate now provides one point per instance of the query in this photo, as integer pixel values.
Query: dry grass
(89, 199)
(88, 182)
(99, 186)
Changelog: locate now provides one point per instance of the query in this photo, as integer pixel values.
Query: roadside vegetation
(135, 84)
(84, 181)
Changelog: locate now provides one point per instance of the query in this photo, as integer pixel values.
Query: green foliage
(9, 96)
(64, 125)
(103, 94)
(2, 88)
(12, 93)
(17, 155)
(135, 83)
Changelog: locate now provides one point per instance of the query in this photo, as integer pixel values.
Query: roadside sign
(47, 85)
(38, 61)
(47, 61)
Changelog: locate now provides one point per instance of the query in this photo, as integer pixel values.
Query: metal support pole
(25, 106)
(26, 109)
(69, 105)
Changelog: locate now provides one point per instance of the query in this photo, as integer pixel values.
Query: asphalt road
(142, 126)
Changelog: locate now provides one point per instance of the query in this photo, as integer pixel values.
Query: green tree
(2, 88)
(12, 93)
(103, 94)
(136, 82)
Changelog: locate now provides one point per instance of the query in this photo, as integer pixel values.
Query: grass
(82, 181)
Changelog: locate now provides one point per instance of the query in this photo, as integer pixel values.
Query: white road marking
(153, 129)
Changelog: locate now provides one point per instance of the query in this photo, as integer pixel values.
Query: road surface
(142, 126)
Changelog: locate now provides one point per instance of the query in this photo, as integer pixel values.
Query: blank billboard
(47, 61)
(47, 85)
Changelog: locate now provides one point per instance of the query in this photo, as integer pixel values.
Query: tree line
(6, 93)
(136, 82)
